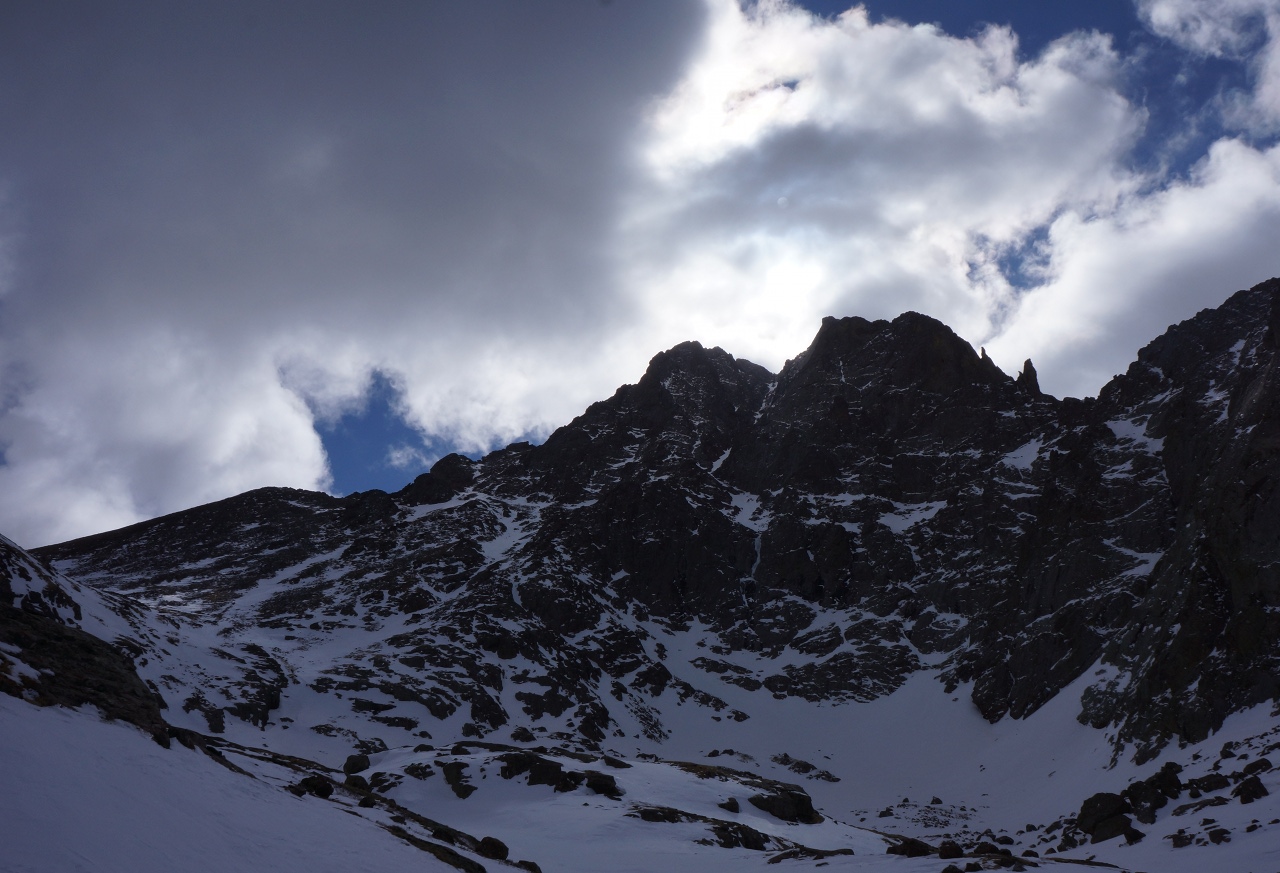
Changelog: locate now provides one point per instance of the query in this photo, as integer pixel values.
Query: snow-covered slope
(81, 795)
(942, 604)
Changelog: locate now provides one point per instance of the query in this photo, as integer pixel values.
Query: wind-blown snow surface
(83, 795)
(93, 796)
(918, 762)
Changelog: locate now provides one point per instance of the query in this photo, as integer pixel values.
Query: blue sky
(319, 244)
(373, 446)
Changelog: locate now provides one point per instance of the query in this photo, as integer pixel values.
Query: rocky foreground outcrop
(48, 660)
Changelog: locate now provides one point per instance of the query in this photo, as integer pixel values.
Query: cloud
(1223, 28)
(114, 426)
(405, 457)
(804, 167)
(232, 214)
(1247, 30)
(220, 220)
(1119, 279)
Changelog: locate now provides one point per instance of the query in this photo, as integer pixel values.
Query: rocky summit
(890, 538)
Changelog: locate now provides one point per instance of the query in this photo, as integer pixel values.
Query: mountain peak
(892, 518)
(912, 351)
(1028, 380)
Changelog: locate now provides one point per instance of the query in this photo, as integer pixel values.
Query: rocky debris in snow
(803, 768)
(662, 814)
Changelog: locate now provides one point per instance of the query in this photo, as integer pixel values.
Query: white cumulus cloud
(805, 167)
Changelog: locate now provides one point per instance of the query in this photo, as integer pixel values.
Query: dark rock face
(73, 668)
(47, 660)
(1203, 635)
(890, 498)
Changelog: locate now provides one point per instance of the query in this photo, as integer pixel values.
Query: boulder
(1145, 799)
(355, 764)
(1262, 765)
(1166, 780)
(493, 849)
(663, 814)
(457, 779)
(789, 805)
(733, 835)
(603, 783)
(1110, 828)
(317, 786)
(1099, 807)
(910, 848)
(1249, 790)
